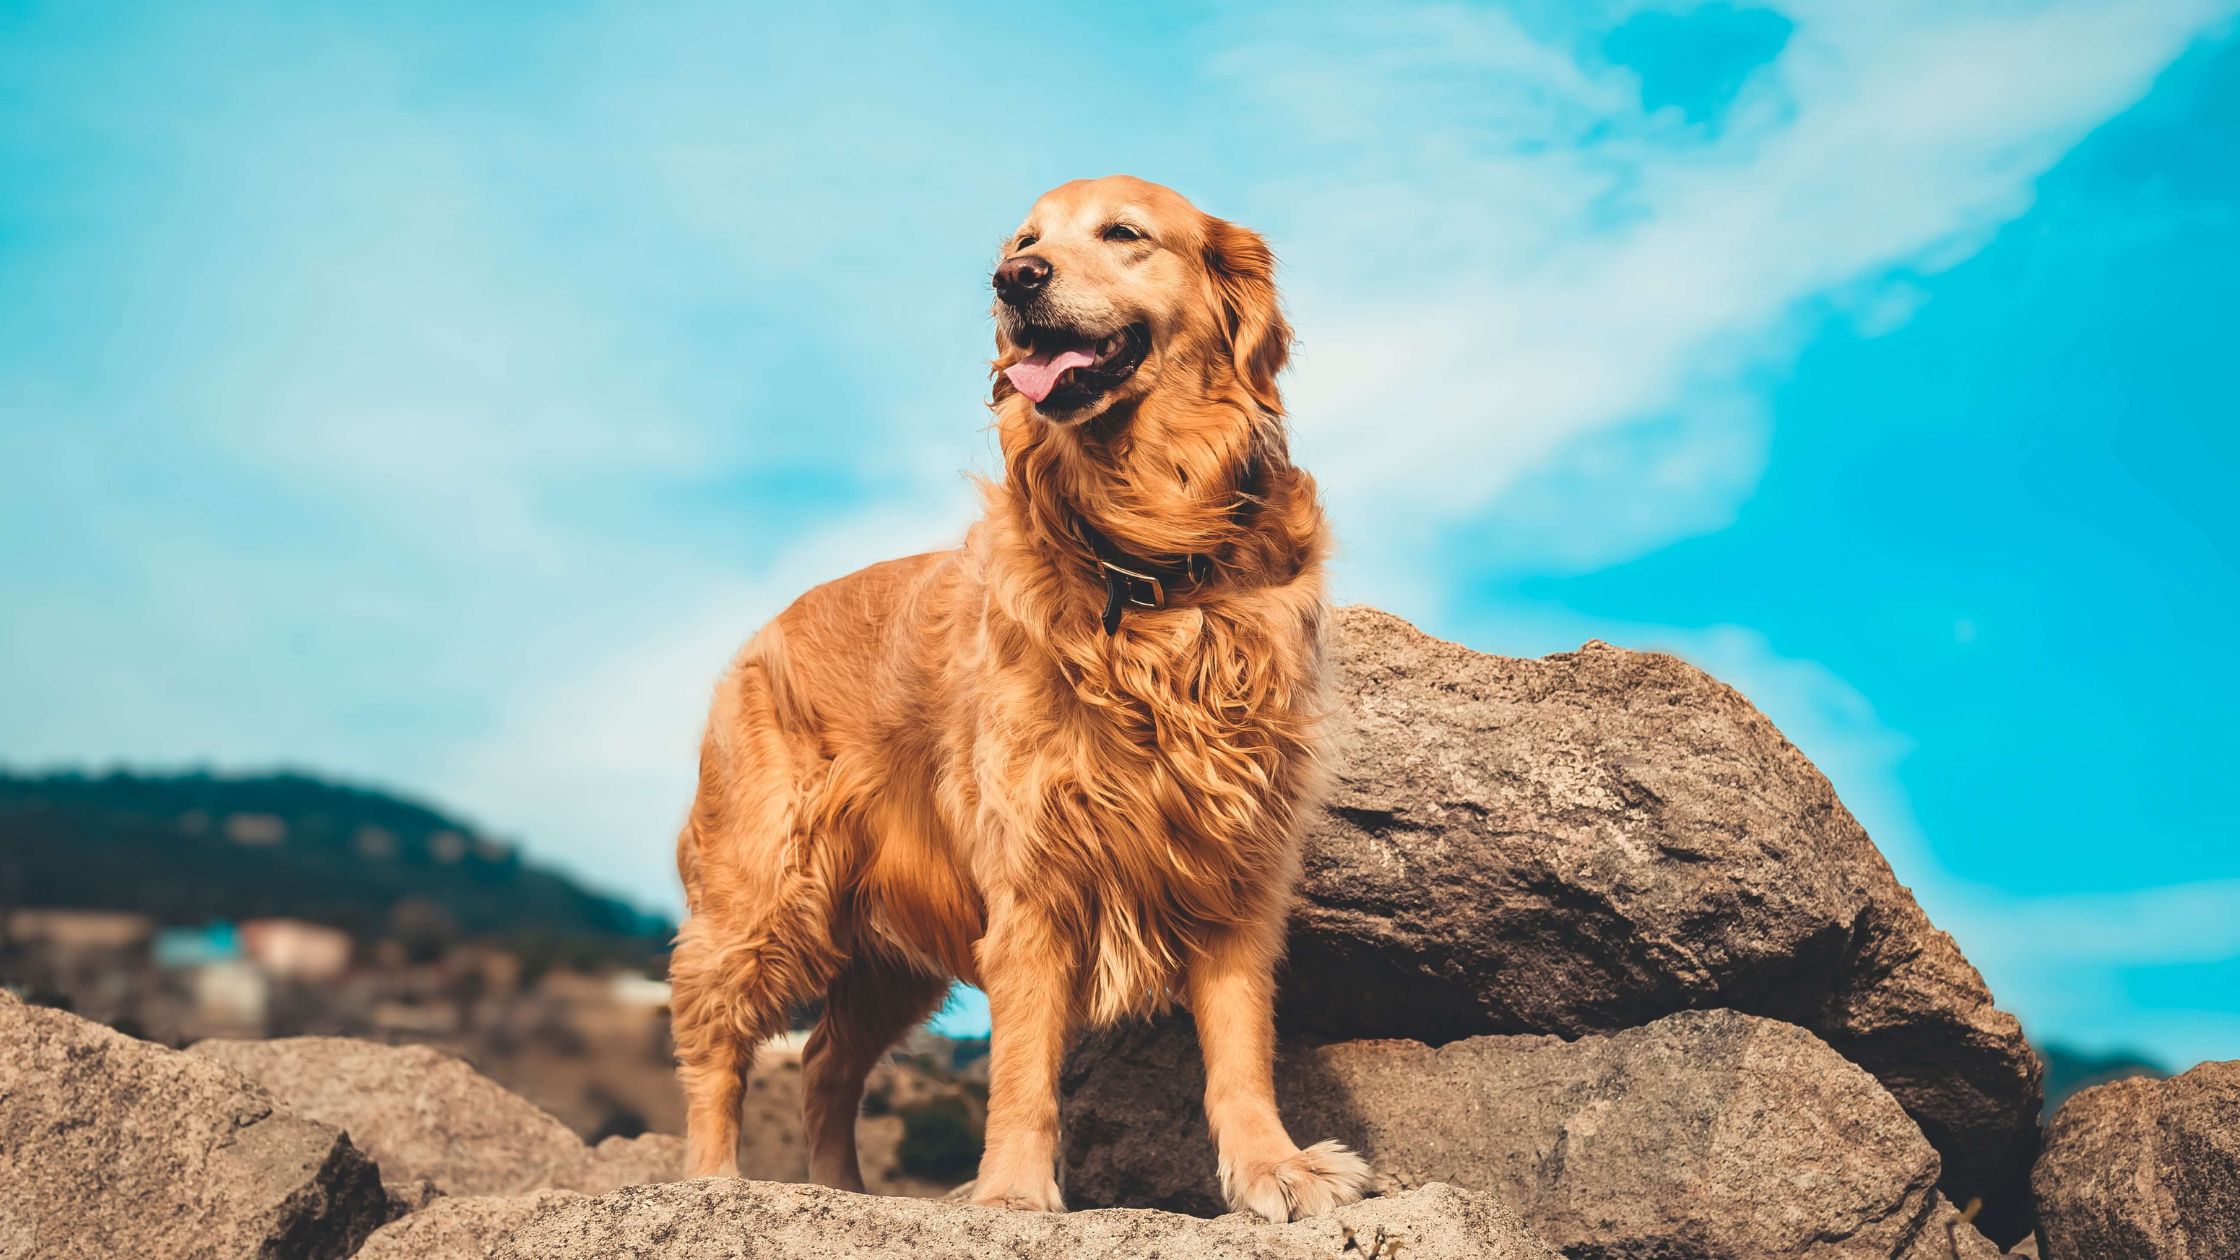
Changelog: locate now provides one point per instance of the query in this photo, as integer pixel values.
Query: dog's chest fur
(1150, 792)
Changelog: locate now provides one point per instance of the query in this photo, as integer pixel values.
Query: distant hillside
(2071, 1071)
(195, 847)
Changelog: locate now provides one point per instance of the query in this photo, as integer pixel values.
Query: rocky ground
(1588, 961)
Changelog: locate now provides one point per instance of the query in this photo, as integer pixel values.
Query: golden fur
(943, 767)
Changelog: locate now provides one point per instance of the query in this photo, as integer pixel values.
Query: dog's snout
(1019, 279)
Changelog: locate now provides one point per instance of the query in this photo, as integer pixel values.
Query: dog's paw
(1306, 1183)
(1021, 1196)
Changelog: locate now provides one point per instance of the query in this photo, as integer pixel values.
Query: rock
(419, 1112)
(111, 1146)
(733, 1219)
(1587, 842)
(618, 1162)
(425, 1115)
(2145, 1170)
(409, 1195)
(459, 1229)
(1705, 1134)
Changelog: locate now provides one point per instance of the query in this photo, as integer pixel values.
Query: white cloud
(2183, 923)
(1526, 262)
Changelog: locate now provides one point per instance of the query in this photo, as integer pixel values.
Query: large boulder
(2145, 1170)
(723, 1219)
(1702, 1135)
(1589, 841)
(428, 1117)
(111, 1146)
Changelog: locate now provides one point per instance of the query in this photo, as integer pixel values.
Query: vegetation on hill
(2070, 1071)
(191, 848)
(941, 1140)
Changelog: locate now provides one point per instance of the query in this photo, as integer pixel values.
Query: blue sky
(434, 397)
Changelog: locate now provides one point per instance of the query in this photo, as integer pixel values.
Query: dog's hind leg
(712, 1061)
(762, 874)
(870, 1005)
(727, 997)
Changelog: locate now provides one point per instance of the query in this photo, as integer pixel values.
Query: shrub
(940, 1140)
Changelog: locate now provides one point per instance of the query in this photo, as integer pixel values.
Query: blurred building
(230, 1000)
(185, 948)
(290, 949)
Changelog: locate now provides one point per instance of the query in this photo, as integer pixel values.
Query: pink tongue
(1038, 373)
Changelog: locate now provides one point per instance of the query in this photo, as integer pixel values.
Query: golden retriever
(1068, 762)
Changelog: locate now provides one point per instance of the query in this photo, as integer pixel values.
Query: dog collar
(1131, 581)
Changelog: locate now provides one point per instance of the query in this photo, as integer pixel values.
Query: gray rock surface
(735, 1220)
(428, 1116)
(111, 1146)
(2145, 1170)
(459, 1229)
(1705, 1134)
(1589, 841)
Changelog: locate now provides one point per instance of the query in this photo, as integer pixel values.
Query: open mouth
(1064, 369)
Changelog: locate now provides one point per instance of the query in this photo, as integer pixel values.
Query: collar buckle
(1126, 588)
(1134, 588)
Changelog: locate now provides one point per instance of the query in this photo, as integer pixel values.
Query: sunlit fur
(943, 767)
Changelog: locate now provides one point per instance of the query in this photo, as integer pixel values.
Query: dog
(1068, 762)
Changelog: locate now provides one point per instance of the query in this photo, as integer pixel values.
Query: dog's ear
(1244, 282)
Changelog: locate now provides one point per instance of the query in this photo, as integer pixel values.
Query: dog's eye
(1026, 241)
(1122, 232)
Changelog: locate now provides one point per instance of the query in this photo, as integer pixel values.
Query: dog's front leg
(1232, 997)
(1030, 973)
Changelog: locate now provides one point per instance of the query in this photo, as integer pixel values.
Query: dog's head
(1114, 285)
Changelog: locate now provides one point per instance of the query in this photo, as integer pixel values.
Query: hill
(2070, 1072)
(190, 848)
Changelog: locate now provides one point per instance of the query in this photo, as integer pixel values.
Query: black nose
(1019, 279)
